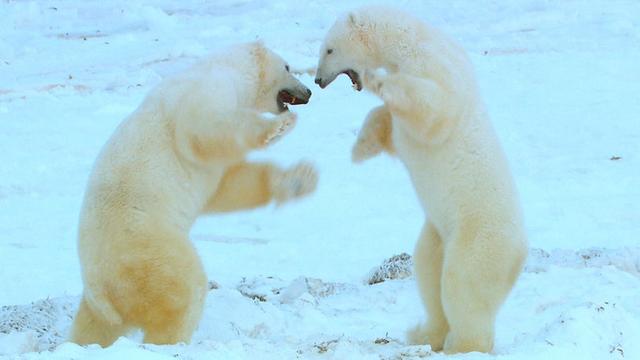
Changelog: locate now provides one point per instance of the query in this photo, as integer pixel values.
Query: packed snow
(562, 83)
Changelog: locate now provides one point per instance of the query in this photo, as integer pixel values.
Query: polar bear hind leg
(161, 287)
(177, 293)
(89, 328)
(478, 273)
(428, 258)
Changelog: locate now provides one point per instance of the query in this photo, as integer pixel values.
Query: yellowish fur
(473, 244)
(180, 154)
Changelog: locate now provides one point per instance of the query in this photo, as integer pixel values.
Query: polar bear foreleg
(258, 131)
(419, 104)
(227, 137)
(374, 136)
(249, 185)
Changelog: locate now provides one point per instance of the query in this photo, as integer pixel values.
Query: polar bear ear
(259, 50)
(259, 47)
(354, 20)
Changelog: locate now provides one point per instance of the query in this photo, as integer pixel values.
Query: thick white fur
(473, 245)
(180, 154)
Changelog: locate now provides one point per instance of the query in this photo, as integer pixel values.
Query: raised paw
(365, 148)
(389, 88)
(374, 136)
(294, 182)
(373, 80)
(282, 125)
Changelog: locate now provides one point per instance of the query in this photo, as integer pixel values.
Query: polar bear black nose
(320, 83)
(309, 93)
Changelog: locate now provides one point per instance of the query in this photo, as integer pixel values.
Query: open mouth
(355, 78)
(286, 98)
(352, 74)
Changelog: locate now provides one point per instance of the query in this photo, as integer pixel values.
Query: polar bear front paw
(373, 80)
(390, 88)
(374, 136)
(282, 125)
(294, 183)
(365, 148)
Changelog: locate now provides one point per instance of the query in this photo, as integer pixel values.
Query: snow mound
(18, 343)
(395, 267)
(624, 259)
(261, 288)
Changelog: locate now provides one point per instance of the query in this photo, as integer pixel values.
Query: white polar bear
(180, 154)
(473, 244)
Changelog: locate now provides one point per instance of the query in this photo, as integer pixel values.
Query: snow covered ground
(562, 83)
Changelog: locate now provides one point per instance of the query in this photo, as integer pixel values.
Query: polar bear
(179, 155)
(473, 245)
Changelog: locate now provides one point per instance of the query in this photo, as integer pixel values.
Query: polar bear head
(370, 37)
(276, 87)
(344, 51)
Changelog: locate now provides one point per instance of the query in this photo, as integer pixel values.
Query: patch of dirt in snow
(395, 267)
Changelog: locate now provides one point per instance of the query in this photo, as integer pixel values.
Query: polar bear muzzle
(352, 74)
(292, 97)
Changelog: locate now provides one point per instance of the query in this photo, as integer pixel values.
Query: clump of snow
(310, 289)
(324, 346)
(321, 289)
(18, 343)
(271, 288)
(261, 288)
(297, 290)
(395, 267)
(39, 326)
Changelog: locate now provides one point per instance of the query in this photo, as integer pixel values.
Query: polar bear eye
(286, 67)
(329, 51)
